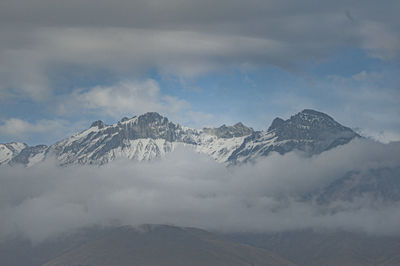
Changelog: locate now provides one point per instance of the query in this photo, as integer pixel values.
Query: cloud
(125, 97)
(19, 127)
(180, 38)
(124, 52)
(128, 98)
(22, 130)
(346, 97)
(53, 51)
(190, 189)
(380, 135)
(380, 40)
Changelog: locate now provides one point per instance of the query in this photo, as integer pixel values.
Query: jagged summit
(224, 131)
(305, 123)
(152, 135)
(149, 117)
(152, 115)
(9, 150)
(124, 119)
(312, 125)
(309, 131)
(276, 123)
(307, 116)
(314, 113)
(99, 124)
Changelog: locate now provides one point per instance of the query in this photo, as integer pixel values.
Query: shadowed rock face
(27, 153)
(149, 125)
(237, 130)
(154, 126)
(311, 125)
(278, 122)
(99, 124)
(9, 150)
(309, 131)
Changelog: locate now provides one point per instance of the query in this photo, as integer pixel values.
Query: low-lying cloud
(190, 189)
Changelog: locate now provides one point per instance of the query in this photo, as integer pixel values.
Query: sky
(200, 63)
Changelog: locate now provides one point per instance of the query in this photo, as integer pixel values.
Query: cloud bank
(183, 38)
(190, 189)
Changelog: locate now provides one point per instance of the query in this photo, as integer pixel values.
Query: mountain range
(150, 136)
(152, 244)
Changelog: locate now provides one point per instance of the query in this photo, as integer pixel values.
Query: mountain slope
(10, 150)
(309, 131)
(331, 248)
(150, 136)
(145, 137)
(160, 245)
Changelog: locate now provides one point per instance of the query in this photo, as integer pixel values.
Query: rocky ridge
(150, 136)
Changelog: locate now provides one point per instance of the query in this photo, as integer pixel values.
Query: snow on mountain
(309, 131)
(151, 136)
(145, 137)
(30, 155)
(10, 150)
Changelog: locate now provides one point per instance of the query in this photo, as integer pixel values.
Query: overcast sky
(200, 63)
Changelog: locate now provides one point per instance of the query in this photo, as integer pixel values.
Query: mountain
(381, 184)
(160, 245)
(309, 131)
(10, 150)
(172, 245)
(150, 136)
(330, 248)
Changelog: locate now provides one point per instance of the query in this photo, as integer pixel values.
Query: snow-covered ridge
(10, 150)
(151, 136)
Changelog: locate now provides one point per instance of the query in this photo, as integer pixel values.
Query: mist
(190, 189)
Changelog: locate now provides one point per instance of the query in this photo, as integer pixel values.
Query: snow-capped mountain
(151, 136)
(309, 131)
(10, 150)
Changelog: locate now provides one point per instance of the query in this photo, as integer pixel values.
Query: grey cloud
(182, 37)
(190, 189)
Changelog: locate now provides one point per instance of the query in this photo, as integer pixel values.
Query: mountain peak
(310, 113)
(152, 135)
(310, 125)
(224, 131)
(276, 123)
(151, 115)
(99, 124)
(124, 119)
(239, 125)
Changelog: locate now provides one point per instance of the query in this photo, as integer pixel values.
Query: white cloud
(190, 189)
(367, 76)
(132, 97)
(381, 135)
(21, 130)
(367, 100)
(125, 98)
(19, 127)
